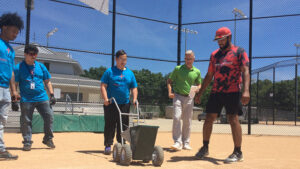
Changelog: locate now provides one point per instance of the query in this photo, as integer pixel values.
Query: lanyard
(32, 71)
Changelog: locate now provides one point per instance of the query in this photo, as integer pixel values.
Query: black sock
(205, 144)
(238, 150)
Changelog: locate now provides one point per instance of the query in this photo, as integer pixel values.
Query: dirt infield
(85, 151)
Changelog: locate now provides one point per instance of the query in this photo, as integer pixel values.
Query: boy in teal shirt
(10, 25)
(32, 77)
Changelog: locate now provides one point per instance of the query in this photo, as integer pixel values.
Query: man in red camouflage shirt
(227, 66)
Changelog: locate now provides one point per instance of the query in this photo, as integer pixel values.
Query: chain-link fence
(155, 35)
(275, 93)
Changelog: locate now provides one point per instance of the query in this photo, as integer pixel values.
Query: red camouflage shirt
(226, 66)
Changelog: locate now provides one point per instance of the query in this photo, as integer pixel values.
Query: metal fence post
(28, 21)
(179, 31)
(296, 91)
(257, 97)
(113, 34)
(250, 63)
(273, 102)
(77, 90)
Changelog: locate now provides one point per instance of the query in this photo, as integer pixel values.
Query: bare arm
(48, 85)
(13, 88)
(134, 94)
(16, 85)
(206, 81)
(169, 86)
(199, 87)
(246, 83)
(104, 93)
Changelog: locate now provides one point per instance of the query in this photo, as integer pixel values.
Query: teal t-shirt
(119, 82)
(27, 74)
(7, 57)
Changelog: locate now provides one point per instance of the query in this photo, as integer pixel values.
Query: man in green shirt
(182, 79)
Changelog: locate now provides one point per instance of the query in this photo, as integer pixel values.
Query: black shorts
(231, 102)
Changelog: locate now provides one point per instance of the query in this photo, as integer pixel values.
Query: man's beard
(226, 45)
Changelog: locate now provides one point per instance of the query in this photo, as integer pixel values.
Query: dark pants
(112, 120)
(231, 102)
(45, 111)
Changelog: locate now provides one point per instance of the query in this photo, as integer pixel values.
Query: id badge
(32, 85)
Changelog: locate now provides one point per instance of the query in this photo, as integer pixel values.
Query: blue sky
(87, 29)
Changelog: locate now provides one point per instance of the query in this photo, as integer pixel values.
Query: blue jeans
(27, 109)
(4, 106)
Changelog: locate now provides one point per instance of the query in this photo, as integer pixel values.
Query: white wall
(94, 97)
(61, 68)
(55, 67)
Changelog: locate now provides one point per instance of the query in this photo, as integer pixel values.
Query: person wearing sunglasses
(32, 77)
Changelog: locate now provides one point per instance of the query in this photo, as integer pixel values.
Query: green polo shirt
(183, 78)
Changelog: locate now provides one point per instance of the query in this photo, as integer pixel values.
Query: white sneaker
(187, 146)
(177, 146)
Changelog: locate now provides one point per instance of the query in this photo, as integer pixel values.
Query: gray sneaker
(234, 157)
(26, 147)
(7, 156)
(203, 152)
(49, 143)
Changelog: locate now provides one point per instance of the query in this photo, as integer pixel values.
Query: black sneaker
(7, 156)
(234, 157)
(26, 147)
(49, 143)
(203, 152)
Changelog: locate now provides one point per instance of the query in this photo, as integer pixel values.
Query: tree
(94, 73)
(152, 87)
(205, 96)
(284, 94)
